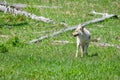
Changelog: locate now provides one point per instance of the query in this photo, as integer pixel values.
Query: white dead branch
(74, 27)
(51, 7)
(14, 9)
(96, 13)
(96, 43)
(4, 36)
(106, 45)
(19, 5)
(60, 42)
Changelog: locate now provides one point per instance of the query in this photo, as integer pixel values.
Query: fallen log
(19, 5)
(14, 9)
(74, 27)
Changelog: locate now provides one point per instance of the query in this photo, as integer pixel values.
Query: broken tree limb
(16, 9)
(74, 27)
(102, 14)
(106, 45)
(52, 35)
(100, 19)
(96, 13)
(19, 5)
(13, 10)
(50, 7)
(98, 44)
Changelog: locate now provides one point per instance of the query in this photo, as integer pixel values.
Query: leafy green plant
(3, 48)
(15, 42)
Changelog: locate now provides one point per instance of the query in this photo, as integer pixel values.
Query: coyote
(83, 39)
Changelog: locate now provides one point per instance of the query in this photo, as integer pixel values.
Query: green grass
(46, 60)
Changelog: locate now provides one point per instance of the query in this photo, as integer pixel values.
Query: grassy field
(47, 60)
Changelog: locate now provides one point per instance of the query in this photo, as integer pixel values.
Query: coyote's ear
(80, 27)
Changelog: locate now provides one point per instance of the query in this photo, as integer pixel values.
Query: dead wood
(3, 3)
(103, 44)
(106, 45)
(99, 44)
(50, 7)
(14, 9)
(74, 27)
(4, 36)
(60, 42)
(18, 6)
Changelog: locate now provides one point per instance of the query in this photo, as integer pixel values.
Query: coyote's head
(78, 31)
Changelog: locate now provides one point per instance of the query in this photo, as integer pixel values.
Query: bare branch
(103, 44)
(106, 45)
(51, 7)
(19, 5)
(14, 10)
(74, 27)
(104, 16)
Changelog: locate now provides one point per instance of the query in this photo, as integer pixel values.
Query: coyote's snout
(83, 39)
(75, 34)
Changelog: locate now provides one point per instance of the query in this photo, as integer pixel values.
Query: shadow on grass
(8, 25)
(93, 55)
